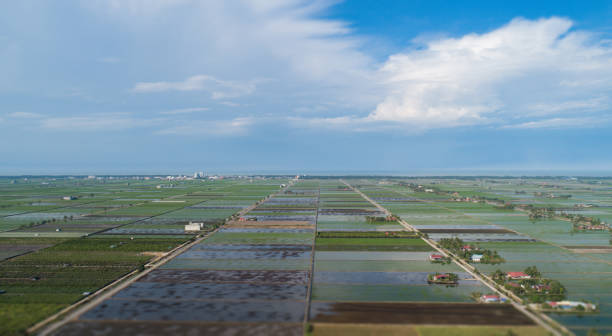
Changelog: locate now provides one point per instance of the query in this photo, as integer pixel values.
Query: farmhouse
(571, 305)
(540, 288)
(193, 226)
(492, 299)
(436, 257)
(477, 257)
(517, 275)
(467, 248)
(439, 277)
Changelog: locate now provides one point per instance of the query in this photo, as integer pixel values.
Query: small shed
(477, 257)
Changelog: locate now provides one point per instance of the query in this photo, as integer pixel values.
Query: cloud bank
(532, 73)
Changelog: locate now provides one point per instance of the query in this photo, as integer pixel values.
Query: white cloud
(230, 104)
(107, 122)
(560, 123)
(234, 127)
(303, 55)
(523, 69)
(219, 89)
(24, 115)
(185, 110)
(587, 105)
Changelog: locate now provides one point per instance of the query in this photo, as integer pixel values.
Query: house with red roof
(441, 277)
(436, 257)
(517, 275)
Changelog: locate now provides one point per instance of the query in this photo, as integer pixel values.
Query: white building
(477, 257)
(194, 226)
(571, 305)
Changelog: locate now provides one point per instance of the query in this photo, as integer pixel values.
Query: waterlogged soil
(266, 230)
(247, 276)
(215, 207)
(467, 230)
(228, 254)
(281, 210)
(248, 247)
(212, 291)
(417, 313)
(371, 255)
(270, 224)
(282, 218)
(218, 311)
(476, 237)
(350, 212)
(92, 328)
(387, 278)
(146, 231)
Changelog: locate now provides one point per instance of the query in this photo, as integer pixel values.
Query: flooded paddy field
(417, 313)
(357, 277)
(168, 328)
(579, 260)
(231, 276)
(198, 310)
(240, 276)
(50, 267)
(272, 274)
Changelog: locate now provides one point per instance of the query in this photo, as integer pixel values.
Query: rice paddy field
(323, 256)
(55, 251)
(580, 260)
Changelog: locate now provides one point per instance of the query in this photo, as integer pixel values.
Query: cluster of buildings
(593, 227)
(571, 305)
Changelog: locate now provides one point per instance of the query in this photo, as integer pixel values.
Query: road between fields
(543, 321)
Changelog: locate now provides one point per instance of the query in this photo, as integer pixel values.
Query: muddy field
(417, 313)
(354, 212)
(191, 310)
(252, 254)
(202, 276)
(213, 291)
(465, 231)
(161, 328)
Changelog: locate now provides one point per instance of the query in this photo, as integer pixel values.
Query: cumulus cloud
(185, 110)
(560, 123)
(106, 122)
(233, 127)
(505, 76)
(24, 115)
(304, 56)
(219, 89)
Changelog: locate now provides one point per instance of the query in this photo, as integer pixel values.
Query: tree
(533, 272)
(499, 276)
(594, 332)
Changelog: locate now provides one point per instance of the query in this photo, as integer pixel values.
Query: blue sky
(174, 86)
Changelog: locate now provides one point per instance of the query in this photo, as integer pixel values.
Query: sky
(295, 86)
